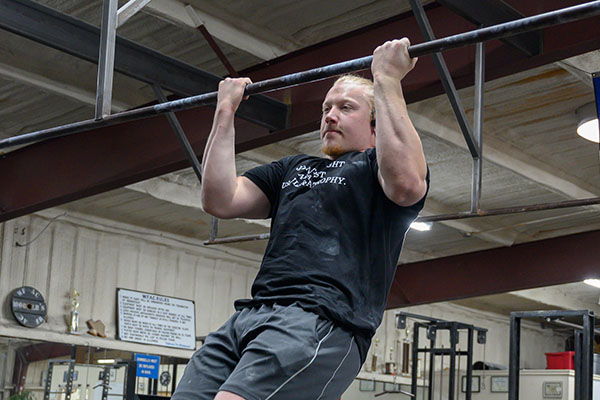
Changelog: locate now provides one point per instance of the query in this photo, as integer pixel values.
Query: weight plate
(28, 306)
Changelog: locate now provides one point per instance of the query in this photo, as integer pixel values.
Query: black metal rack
(584, 345)
(432, 326)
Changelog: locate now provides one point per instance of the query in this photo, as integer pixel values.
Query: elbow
(214, 207)
(406, 194)
(217, 212)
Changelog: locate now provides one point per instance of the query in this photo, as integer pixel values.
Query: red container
(562, 360)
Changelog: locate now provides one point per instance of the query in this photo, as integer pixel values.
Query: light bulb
(421, 226)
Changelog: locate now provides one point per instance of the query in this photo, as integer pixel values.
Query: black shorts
(273, 353)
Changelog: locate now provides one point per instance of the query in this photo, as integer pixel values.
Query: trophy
(374, 357)
(74, 323)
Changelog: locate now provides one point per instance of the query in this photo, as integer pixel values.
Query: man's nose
(331, 116)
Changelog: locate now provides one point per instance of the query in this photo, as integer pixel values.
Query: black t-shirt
(335, 239)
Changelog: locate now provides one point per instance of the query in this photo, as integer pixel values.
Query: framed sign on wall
(155, 319)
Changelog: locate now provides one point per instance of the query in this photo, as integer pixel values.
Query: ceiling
(531, 152)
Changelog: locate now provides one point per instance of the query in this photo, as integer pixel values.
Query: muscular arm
(223, 193)
(402, 166)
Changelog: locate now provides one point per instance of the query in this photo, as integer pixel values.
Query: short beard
(333, 151)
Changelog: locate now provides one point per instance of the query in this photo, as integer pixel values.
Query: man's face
(346, 120)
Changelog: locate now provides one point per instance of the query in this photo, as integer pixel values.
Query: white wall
(79, 254)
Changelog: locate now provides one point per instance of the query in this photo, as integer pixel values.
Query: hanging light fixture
(589, 127)
(588, 124)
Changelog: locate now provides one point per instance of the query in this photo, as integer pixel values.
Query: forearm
(400, 155)
(218, 165)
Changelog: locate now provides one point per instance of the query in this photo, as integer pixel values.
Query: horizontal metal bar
(568, 324)
(439, 323)
(511, 210)
(551, 314)
(458, 325)
(468, 214)
(442, 352)
(395, 392)
(419, 316)
(493, 32)
(511, 28)
(80, 39)
(236, 239)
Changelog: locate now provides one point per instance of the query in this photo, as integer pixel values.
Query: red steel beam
(547, 262)
(65, 169)
(36, 352)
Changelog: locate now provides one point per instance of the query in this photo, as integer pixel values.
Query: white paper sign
(154, 319)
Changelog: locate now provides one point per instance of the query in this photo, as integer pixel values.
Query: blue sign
(147, 366)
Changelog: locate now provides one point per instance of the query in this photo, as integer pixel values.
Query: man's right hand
(223, 193)
(231, 92)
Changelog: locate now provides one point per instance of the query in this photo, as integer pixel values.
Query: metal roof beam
(65, 33)
(239, 34)
(111, 157)
(523, 266)
(63, 89)
(492, 12)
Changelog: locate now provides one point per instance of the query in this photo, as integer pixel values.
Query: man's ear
(373, 134)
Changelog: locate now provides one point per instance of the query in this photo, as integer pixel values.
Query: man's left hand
(391, 60)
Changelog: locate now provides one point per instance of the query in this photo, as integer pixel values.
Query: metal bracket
(69, 388)
(472, 137)
(174, 122)
(401, 321)
(453, 335)
(481, 337)
(106, 59)
(105, 382)
(478, 126)
(214, 228)
(431, 333)
(48, 384)
(446, 79)
(129, 9)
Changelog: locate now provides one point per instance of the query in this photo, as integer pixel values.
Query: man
(337, 229)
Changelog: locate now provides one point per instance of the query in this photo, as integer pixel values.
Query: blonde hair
(369, 92)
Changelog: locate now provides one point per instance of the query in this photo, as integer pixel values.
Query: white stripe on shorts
(303, 368)
(336, 370)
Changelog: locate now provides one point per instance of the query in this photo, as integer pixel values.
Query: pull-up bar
(499, 31)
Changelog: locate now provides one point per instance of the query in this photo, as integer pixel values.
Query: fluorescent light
(588, 122)
(105, 361)
(421, 226)
(593, 282)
